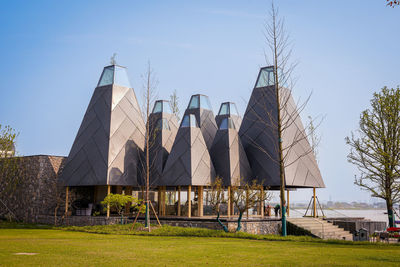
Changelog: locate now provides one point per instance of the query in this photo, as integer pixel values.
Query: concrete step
(321, 228)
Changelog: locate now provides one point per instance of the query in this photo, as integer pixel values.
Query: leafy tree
(376, 148)
(119, 202)
(11, 170)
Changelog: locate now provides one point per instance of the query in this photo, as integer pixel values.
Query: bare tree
(174, 102)
(376, 150)
(246, 196)
(392, 3)
(277, 114)
(149, 96)
(217, 198)
(314, 138)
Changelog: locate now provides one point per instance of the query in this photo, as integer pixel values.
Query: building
(108, 152)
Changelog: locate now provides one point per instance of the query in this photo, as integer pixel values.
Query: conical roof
(200, 106)
(189, 162)
(259, 135)
(228, 155)
(163, 129)
(111, 136)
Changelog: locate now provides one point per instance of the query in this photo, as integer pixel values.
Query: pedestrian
(276, 209)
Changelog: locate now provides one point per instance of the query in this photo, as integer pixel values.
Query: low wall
(254, 226)
(356, 224)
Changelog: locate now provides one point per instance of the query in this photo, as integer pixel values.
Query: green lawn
(71, 248)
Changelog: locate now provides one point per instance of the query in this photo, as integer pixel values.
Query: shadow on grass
(166, 230)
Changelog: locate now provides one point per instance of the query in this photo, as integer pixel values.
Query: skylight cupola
(114, 74)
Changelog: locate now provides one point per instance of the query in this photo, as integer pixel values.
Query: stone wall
(35, 191)
(264, 226)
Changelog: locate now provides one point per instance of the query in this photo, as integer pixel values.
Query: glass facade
(266, 77)
(205, 102)
(121, 77)
(189, 121)
(194, 102)
(224, 110)
(162, 124)
(114, 75)
(226, 123)
(158, 107)
(107, 76)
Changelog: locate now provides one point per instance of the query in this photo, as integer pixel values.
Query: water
(373, 215)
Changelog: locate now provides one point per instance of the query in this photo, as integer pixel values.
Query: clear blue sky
(53, 53)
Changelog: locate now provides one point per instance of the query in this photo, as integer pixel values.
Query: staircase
(321, 228)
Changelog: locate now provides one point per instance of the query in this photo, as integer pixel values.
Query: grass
(79, 246)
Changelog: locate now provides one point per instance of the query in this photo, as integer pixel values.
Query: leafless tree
(174, 102)
(282, 112)
(150, 84)
(246, 196)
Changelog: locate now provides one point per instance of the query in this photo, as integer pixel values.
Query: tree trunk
(220, 223)
(390, 213)
(239, 226)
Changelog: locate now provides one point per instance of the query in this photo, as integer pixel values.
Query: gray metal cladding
(229, 158)
(109, 141)
(189, 162)
(259, 135)
(161, 140)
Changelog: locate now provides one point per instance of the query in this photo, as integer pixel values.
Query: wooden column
(247, 208)
(164, 194)
(287, 204)
(66, 200)
(108, 205)
(189, 206)
(179, 201)
(229, 202)
(159, 189)
(315, 204)
(262, 202)
(200, 201)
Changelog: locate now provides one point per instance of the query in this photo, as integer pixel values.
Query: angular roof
(200, 106)
(111, 136)
(229, 110)
(163, 129)
(259, 135)
(189, 162)
(228, 155)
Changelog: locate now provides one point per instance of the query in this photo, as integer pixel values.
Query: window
(224, 110)
(205, 102)
(158, 107)
(226, 123)
(194, 102)
(189, 121)
(107, 76)
(121, 77)
(266, 77)
(162, 124)
(233, 109)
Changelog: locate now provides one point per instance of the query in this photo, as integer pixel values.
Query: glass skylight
(163, 124)
(121, 77)
(189, 121)
(107, 76)
(194, 102)
(227, 123)
(266, 77)
(224, 110)
(205, 102)
(114, 75)
(158, 107)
